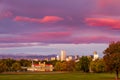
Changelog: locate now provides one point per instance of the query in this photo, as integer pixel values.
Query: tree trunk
(117, 74)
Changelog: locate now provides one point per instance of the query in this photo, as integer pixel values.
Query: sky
(48, 26)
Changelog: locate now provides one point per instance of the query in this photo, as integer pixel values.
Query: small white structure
(69, 58)
(76, 57)
(95, 56)
(58, 57)
(53, 58)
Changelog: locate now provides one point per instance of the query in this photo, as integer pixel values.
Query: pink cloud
(108, 6)
(45, 38)
(26, 19)
(42, 36)
(46, 19)
(51, 19)
(5, 14)
(50, 36)
(103, 3)
(8, 14)
(104, 22)
(95, 39)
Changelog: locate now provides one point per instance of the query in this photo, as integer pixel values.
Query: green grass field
(56, 76)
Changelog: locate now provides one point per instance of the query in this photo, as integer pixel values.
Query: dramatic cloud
(43, 37)
(36, 22)
(104, 22)
(46, 19)
(55, 38)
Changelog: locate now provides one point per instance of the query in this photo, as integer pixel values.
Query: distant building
(35, 59)
(53, 58)
(63, 55)
(95, 56)
(77, 57)
(40, 67)
(46, 59)
(69, 58)
(58, 57)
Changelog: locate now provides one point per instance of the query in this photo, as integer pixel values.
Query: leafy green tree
(53, 62)
(58, 66)
(70, 65)
(112, 57)
(84, 63)
(3, 67)
(77, 66)
(63, 66)
(25, 63)
(16, 66)
(98, 66)
(8, 63)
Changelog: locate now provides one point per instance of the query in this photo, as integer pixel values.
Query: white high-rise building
(63, 55)
(95, 56)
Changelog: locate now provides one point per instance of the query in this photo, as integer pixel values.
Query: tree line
(9, 65)
(109, 62)
(84, 64)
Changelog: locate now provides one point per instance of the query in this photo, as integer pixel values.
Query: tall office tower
(63, 55)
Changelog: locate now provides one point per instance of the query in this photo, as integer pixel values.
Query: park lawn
(56, 76)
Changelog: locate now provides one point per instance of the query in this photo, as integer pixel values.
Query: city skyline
(48, 26)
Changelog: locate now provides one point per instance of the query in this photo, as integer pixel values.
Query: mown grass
(56, 76)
